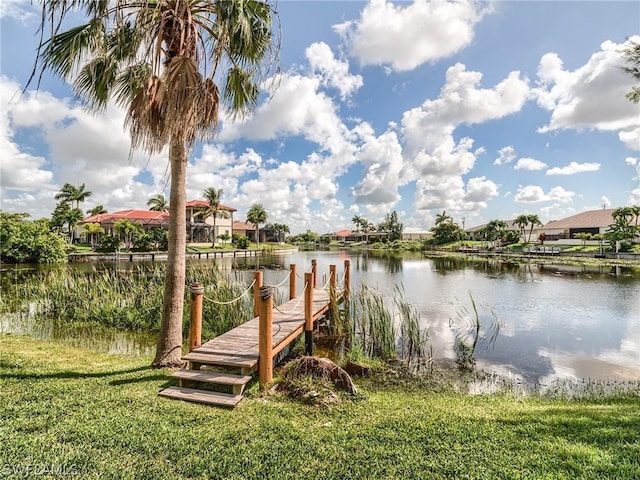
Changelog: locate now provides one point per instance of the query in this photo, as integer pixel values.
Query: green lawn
(98, 415)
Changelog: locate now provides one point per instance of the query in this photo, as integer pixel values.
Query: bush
(109, 243)
(240, 242)
(25, 241)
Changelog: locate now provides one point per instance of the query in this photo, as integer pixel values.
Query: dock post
(195, 325)
(308, 314)
(257, 277)
(347, 280)
(333, 280)
(265, 337)
(314, 271)
(292, 281)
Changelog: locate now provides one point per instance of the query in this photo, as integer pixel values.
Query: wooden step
(201, 396)
(247, 361)
(211, 377)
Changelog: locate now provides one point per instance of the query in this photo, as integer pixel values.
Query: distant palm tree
(91, 229)
(533, 222)
(214, 209)
(97, 210)
(443, 217)
(171, 65)
(256, 216)
(128, 230)
(357, 221)
(158, 203)
(71, 194)
(522, 221)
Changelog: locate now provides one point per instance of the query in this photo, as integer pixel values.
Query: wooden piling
(314, 271)
(265, 337)
(195, 325)
(347, 279)
(292, 281)
(333, 283)
(308, 314)
(257, 285)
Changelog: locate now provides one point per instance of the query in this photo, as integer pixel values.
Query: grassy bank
(98, 416)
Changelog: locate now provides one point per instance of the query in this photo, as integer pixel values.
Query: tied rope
(297, 304)
(231, 301)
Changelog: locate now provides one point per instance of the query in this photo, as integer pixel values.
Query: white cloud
(605, 201)
(592, 96)
(634, 197)
(535, 194)
(573, 168)
(631, 138)
(333, 72)
(404, 37)
(632, 161)
(382, 158)
(431, 153)
(19, 9)
(72, 146)
(529, 164)
(505, 155)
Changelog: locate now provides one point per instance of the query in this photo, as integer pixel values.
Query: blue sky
(484, 109)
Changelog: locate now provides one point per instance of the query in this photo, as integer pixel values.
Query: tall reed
(129, 299)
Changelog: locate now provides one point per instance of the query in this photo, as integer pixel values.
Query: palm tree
(631, 56)
(357, 221)
(91, 229)
(443, 217)
(97, 210)
(163, 61)
(533, 222)
(128, 230)
(522, 221)
(158, 203)
(214, 209)
(70, 194)
(256, 216)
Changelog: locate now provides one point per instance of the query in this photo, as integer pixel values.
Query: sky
(486, 110)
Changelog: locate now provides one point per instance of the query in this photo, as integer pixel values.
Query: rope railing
(231, 301)
(296, 305)
(283, 281)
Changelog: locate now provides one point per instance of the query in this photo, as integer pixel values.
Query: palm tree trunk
(169, 348)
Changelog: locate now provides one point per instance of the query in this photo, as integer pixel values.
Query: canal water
(551, 322)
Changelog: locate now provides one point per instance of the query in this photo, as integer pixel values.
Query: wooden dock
(231, 358)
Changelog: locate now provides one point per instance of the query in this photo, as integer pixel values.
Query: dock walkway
(239, 349)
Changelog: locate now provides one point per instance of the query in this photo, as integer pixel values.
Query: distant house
(475, 232)
(148, 219)
(200, 229)
(412, 233)
(351, 236)
(245, 230)
(249, 230)
(593, 221)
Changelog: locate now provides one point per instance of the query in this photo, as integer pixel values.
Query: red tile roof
(343, 233)
(143, 216)
(243, 226)
(205, 204)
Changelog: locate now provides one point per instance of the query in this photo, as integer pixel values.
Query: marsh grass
(472, 328)
(372, 325)
(130, 299)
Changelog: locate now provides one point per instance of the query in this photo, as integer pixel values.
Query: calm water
(556, 322)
